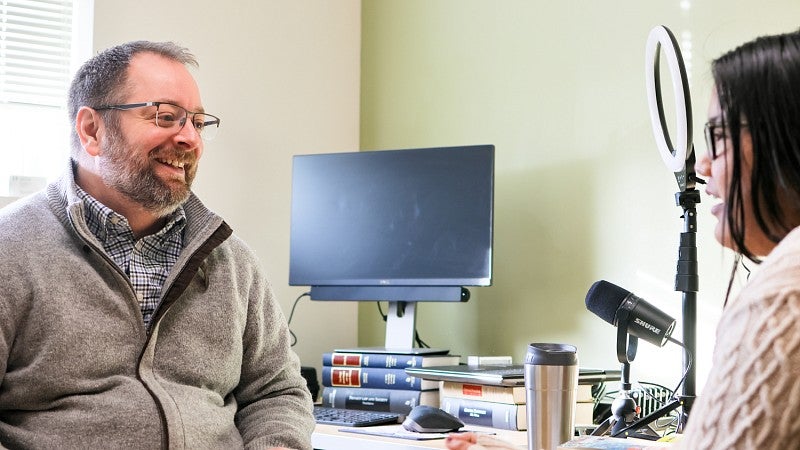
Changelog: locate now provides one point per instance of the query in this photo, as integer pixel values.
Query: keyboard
(353, 417)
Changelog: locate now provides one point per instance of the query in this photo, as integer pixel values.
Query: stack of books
(585, 401)
(378, 381)
(502, 407)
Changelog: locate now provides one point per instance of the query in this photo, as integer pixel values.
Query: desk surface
(328, 437)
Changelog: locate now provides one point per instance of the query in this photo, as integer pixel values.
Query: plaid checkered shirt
(146, 261)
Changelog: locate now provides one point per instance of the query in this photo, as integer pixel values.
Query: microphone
(623, 309)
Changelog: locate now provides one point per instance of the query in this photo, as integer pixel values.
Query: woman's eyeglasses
(716, 132)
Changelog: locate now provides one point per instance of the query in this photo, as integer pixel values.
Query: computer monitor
(402, 226)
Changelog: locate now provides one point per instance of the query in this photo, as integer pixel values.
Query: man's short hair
(102, 80)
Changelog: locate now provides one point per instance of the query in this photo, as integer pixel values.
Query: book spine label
(386, 361)
(497, 394)
(384, 400)
(342, 359)
(488, 414)
(369, 377)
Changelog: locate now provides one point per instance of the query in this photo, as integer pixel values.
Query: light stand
(680, 160)
(623, 408)
(687, 281)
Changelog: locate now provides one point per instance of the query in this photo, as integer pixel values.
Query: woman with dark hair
(752, 397)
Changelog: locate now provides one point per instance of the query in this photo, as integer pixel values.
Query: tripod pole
(687, 281)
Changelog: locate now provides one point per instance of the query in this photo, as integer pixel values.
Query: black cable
(291, 314)
(674, 393)
(380, 311)
(417, 339)
(689, 357)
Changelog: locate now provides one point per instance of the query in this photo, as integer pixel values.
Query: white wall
(283, 76)
(558, 87)
(581, 191)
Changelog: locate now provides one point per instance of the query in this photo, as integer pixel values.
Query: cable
(380, 311)
(291, 314)
(417, 339)
(688, 362)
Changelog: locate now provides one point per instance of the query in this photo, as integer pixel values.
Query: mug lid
(548, 354)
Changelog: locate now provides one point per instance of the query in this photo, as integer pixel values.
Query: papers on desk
(397, 431)
(589, 442)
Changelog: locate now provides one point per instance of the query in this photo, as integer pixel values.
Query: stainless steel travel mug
(551, 383)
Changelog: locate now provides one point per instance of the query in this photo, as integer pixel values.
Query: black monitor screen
(418, 217)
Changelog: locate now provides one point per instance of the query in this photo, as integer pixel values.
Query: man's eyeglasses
(174, 117)
(717, 132)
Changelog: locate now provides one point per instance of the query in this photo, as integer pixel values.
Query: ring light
(675, 158)
(680, 161)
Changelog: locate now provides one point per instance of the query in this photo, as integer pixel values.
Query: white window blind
(42, 42)
(35, 51)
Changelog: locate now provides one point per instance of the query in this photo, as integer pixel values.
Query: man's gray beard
(136, 180)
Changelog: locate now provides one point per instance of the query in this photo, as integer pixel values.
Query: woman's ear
(87, 124)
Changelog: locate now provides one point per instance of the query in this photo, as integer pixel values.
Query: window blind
(35, 40)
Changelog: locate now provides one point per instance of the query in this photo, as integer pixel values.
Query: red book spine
(346, 376)
(347, 360)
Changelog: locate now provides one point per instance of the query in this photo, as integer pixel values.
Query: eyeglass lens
(169, 115)
(713, 132)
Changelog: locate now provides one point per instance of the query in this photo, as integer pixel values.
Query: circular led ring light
(675, 159)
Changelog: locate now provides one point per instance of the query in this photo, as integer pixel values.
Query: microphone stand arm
(624, 408)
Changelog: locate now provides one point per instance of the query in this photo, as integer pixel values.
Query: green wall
(581, 191)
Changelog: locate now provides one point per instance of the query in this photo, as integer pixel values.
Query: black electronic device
(622, 308)
(310, 375)
(402, 226)
(353, 417)
(429, 419)
(634, 318)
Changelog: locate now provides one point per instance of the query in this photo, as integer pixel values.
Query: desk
(328, 437)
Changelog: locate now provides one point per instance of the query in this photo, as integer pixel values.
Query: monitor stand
(400, 329)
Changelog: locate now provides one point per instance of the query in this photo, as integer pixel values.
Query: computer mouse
(429, 419)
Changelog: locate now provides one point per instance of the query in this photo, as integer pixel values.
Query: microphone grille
(604, 299)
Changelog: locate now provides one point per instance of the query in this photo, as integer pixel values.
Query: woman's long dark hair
(758, 87)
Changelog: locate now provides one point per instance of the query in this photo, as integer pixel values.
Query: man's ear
(87, 124)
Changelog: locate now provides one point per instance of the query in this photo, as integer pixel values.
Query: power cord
(291, 314)
(689, 357)
(417, 339)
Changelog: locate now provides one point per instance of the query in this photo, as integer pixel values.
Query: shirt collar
(105, 223)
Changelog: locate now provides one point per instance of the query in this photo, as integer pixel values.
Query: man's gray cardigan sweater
(78, 368)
